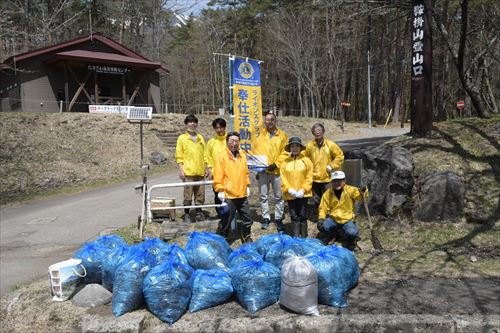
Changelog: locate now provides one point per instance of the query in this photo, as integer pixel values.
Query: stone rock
(92, 295)
(128, 323)
(440, 196)
(388, 173)
(157, 158)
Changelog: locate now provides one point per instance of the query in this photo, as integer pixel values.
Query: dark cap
(294, 140)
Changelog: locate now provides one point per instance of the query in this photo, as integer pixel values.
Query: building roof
(96, 36)
(103, 57)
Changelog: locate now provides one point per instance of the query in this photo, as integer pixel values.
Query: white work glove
(300, 193)
(329, 169)
(248, 191)
(292, 192)
(220, 195)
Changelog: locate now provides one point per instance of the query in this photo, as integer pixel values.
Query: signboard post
(344, 104)
(141, 115)
(421, 68)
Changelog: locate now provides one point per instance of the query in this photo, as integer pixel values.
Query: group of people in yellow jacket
(294, 171)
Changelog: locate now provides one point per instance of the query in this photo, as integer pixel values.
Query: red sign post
(460, 104)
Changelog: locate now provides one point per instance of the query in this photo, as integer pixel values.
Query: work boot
(280, 226)
(351, 243)
(324, 238)
(187, 218)
(296, 229)
(199, 216)
(303, 229)
(245, 235)
(265, 224)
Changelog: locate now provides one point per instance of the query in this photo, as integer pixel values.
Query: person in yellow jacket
(326, 157)
(271, 142)
(336, 211)
(215, 146)
(231, 182)
(190, 158)
(296, 184)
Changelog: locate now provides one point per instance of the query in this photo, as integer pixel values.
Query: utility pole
(421, 71)
(369, 93)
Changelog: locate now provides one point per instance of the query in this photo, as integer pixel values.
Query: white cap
(338, 175)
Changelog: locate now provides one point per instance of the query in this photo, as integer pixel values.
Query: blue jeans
(331, 228)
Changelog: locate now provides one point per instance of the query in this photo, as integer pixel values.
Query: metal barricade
(182, 184)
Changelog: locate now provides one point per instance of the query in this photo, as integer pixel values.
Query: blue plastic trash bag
(206, 250)
(265, 242)
(256, 284)
(111, 262)
(167, 290)
(288, 247)
(129, 277)
(173, 253)
(313, 243)
(332, 282)
(156, 246)
(110, 241)
(92, 255)
(244, 253)
(210, 288)
(352, 274)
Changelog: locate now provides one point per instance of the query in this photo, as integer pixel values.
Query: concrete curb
(343, 323)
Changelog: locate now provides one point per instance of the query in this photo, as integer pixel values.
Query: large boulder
(388, 173)
(439, 196)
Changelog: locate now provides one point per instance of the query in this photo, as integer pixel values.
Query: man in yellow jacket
(326, 157)
(231, 182)
(215, 146)
(271, 142)
(296, 184)
(190, 158)
(336, 211)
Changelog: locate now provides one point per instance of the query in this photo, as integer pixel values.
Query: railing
(183, 184)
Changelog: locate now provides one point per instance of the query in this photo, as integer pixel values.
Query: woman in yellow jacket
(336, 211)
(231, 182)
(296, 184)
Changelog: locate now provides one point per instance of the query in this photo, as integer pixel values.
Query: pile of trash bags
(170, 280)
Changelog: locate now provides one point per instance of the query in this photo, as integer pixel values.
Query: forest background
(315, 52)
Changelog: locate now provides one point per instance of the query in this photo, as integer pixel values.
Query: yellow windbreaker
(191, 154)
(272, 147)
(231, 175)
(328, 154)
(215, 146)
(341, 210)
(296, 173)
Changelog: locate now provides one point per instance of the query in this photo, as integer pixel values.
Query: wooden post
(96, 89)
(66, 87)
(421, 75)
(124, 89)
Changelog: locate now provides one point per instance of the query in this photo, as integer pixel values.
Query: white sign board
(108, 109)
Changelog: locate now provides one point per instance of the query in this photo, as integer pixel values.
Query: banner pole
(231, 111)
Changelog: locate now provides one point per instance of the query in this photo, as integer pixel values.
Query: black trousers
(298, 214)
(318, 190)
(241, 206)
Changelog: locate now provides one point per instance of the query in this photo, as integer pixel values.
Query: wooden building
(70, 76)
